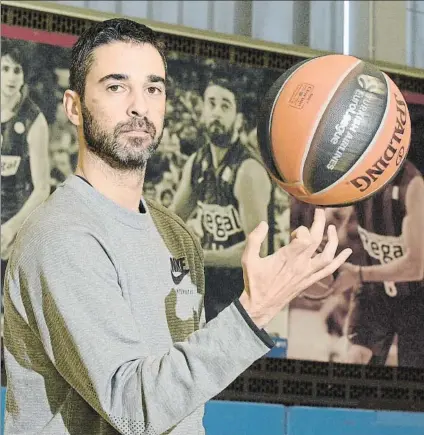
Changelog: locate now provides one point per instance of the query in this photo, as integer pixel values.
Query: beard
(125, 154)
(218, 135)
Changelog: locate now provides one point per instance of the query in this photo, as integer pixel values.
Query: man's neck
(218, 154)
(124, 188)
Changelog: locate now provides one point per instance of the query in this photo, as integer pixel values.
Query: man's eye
(154, 90)
(115, 88)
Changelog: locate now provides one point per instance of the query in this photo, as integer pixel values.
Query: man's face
(219, 115)
(124, 105)
(12, 76)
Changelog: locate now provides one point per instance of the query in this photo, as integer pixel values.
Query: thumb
(255, 240)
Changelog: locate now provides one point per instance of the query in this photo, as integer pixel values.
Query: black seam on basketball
(264, 120)
(320, 115)
(367, 150)
(358, 129)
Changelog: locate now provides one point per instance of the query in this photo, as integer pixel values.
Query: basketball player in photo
(389, 283)
(223, 194)
(25, 171)
(316, 317)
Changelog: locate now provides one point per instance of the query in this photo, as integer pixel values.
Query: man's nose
(138, 106)
(217, 112)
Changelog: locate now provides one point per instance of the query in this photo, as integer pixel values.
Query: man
(389, 296)
(104, 290)
(223, 195)
(25, 172)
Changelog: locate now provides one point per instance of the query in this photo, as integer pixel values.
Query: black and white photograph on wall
(371, 310)
(209, 172)
(206, 169)
(38, 144)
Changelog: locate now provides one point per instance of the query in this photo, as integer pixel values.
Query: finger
(329, 251)
(317, 230)
(318, 225)
(332, 244)
(254, 241)
(301, 241)
(330, 268)
(301, 232)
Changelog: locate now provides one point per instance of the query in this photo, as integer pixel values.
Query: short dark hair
(102, 33)
(226, 83)
(223, 82)
(13, 49)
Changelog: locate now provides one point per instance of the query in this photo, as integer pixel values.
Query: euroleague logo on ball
(372, 84)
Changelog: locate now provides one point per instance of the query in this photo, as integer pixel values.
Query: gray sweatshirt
(103, 322)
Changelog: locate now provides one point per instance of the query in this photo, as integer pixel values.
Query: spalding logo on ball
(333, 130)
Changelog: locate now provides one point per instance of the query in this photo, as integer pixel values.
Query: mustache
(216, 123)
(137, 124)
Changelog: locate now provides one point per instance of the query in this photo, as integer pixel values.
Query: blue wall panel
(333, 421)
(240, 418)
(244, 418)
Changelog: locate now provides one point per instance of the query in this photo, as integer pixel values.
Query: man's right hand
(273, 281)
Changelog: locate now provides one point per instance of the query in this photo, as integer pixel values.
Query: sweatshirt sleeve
(89, 333)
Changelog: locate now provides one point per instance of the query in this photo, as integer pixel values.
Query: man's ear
(72, 106)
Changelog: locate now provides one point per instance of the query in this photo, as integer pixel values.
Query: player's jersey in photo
(380, 228)
(217, 207)
(16, 182)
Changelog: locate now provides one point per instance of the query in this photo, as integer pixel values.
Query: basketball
(333, 130)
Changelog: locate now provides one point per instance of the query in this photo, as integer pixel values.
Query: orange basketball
(333, 130)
